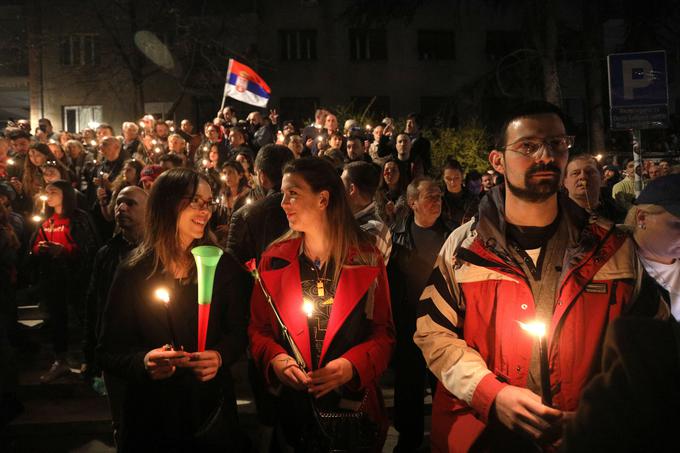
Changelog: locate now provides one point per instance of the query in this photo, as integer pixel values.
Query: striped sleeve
(382, 237)
(439, 332)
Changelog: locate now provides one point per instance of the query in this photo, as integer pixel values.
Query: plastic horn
(207, 257)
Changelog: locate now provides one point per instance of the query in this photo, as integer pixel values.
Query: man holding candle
(529, 255)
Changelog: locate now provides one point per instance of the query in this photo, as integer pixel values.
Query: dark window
(301, 110)
(436, 45)
(297, 45)
(372, 105)
(367, 44)
(79, 50)
(499, 43)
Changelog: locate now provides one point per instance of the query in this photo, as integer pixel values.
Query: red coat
(369, 358)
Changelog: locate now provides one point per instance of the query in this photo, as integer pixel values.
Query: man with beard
(530, 255)
(129, 216)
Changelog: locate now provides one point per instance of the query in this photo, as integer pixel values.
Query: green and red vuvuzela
(207, 257)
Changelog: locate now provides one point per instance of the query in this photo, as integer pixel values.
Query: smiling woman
(175, 399)
(330, 286)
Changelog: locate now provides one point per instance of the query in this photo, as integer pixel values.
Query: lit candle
(10, 161)
(141, 124)
(172, 129)
(163, 295)
(248, 200)
(537, 329)
(320, 138)
(36, 218)
(308, 308)
(153, 142)
(599, 157)
(43, 198)
(368, 127)
(205, 148)
(157, 150)
(205, 162)
(93, 142)
(223, 178)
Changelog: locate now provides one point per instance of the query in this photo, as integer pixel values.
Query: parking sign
(638, 90)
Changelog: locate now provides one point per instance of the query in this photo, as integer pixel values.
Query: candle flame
(248, 200)
(205, 162)
(43, 197)
(93, 142)
(10, 161)
(308, 308)
(163, 295)
(153, 142)
(37, 218)
(534, 328)
(223, 177)
(158, 150)
(368, 127)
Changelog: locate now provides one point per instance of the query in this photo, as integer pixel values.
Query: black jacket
(165, 415)
(633, 404)
(255, 226)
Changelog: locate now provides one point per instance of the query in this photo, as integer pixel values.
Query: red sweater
(56, 229)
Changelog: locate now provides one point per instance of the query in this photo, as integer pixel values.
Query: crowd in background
(73, 206)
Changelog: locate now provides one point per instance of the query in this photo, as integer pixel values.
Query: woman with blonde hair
(329, 285)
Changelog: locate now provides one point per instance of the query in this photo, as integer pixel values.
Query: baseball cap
(663, 191)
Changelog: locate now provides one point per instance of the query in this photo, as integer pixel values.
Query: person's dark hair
(531, 108)
(472, 175)
(249, 158)
(401, 185)
(69, 202)
(173, 158)
(451, 163)
(106, 126)
(416, 118)
(242, 181)
(365, 176)
(120, 182)
(170, 194)
(271, 160)
(8, 237)
(337, 134)
(344, 233)
(18, 133)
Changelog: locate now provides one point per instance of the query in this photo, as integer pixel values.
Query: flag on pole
(245, 85)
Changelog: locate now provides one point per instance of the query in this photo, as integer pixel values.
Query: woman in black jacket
(174, 399)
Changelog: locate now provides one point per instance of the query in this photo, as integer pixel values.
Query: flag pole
(224, 91)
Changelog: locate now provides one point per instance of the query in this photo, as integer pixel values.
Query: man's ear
(497, 161)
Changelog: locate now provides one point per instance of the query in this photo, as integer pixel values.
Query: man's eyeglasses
(199, 204)
(532, 147)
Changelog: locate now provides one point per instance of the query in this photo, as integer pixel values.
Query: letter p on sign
(636, 74)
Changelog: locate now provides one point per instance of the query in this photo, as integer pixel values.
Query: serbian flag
(243, 84)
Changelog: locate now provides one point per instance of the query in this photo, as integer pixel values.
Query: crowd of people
(367, 257)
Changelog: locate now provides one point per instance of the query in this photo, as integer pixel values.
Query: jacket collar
(284, 286)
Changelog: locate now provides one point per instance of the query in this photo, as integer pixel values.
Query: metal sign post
(638, 97)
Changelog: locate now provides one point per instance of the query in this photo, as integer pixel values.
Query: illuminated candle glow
(308, 308)
(537, 329)
(163, 295)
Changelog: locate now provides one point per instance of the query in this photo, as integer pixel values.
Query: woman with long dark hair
(63, 248)
(175, 399)
(233, 194)
(330, 287)
(390, 198)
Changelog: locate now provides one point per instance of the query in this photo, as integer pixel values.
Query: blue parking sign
(638, 90)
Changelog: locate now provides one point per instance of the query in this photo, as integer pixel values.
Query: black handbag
(340, 430)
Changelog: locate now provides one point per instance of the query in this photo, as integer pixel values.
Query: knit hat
(150, 173)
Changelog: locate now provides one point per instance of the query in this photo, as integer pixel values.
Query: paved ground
(69, 416)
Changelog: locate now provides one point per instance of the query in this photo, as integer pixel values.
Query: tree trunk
(593, 75)
(551, 79)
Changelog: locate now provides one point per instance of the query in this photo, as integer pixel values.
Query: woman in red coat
(329, 286)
